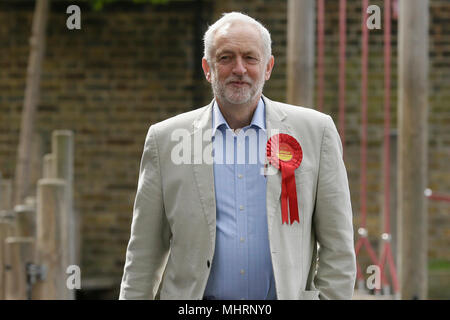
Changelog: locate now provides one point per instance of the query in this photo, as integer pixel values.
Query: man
(246, 225)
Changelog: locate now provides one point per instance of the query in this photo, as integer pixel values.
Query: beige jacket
(174, 220)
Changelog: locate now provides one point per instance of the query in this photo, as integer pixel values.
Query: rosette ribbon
(285, 154)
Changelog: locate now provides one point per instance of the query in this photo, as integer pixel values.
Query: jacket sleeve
(149, 242)
(336, 273)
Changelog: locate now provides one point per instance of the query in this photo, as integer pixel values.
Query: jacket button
(208, 263)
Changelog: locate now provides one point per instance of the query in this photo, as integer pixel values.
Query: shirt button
(242, 271)
(240, 176)
(242, 239)
(241, 207)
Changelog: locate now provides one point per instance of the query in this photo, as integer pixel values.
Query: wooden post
(393, 202)
(6, 194)
(50, 233)
(63, 151)
(412, 147)
(300, 52)
(47, 167)
(6, 230)
(25, 221)
(19, 252)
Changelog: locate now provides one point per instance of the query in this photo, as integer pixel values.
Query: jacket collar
(258, 119)
(274, 117)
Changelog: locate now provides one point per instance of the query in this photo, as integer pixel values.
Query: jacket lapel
(204, 171)
(274, 125)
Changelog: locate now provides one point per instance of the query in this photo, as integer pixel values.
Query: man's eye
(252, 59)
(224, 58)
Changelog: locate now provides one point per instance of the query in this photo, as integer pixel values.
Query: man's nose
(239, 67)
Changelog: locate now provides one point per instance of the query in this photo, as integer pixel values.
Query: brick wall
(129, 67)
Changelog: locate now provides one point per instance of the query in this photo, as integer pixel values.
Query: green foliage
(99, 4)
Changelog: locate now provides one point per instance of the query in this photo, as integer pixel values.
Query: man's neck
(238, 115)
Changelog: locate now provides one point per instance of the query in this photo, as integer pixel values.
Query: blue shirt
(242, 266)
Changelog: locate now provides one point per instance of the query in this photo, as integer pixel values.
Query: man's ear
(206, 69)
(269, 67)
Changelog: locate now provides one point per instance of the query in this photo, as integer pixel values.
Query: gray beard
(236, 96)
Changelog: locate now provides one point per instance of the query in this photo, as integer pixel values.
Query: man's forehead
(238, 28)
(236, 32)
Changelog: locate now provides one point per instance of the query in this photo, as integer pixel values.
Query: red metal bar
(395, 9)
(320, 52)
(358, 246)
(363, 240)
(387, 254)
(393, 270)
(439, 197)
(387, 114)
(382, 261)
(386, 251)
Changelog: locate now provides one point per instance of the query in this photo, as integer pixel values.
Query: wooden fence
(39, 239)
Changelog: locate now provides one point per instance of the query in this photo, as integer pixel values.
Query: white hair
(232, 17)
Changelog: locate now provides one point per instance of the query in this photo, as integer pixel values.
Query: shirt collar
(258, 119)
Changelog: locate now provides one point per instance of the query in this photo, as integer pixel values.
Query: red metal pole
(364, 71)
(363, 239)
(386, 251)
(439, 197)
(342, 64)
(387, 113)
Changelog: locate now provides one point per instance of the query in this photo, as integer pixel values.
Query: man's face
(239, 67)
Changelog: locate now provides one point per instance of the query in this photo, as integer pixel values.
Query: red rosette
(285, 150)
(285, 154)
